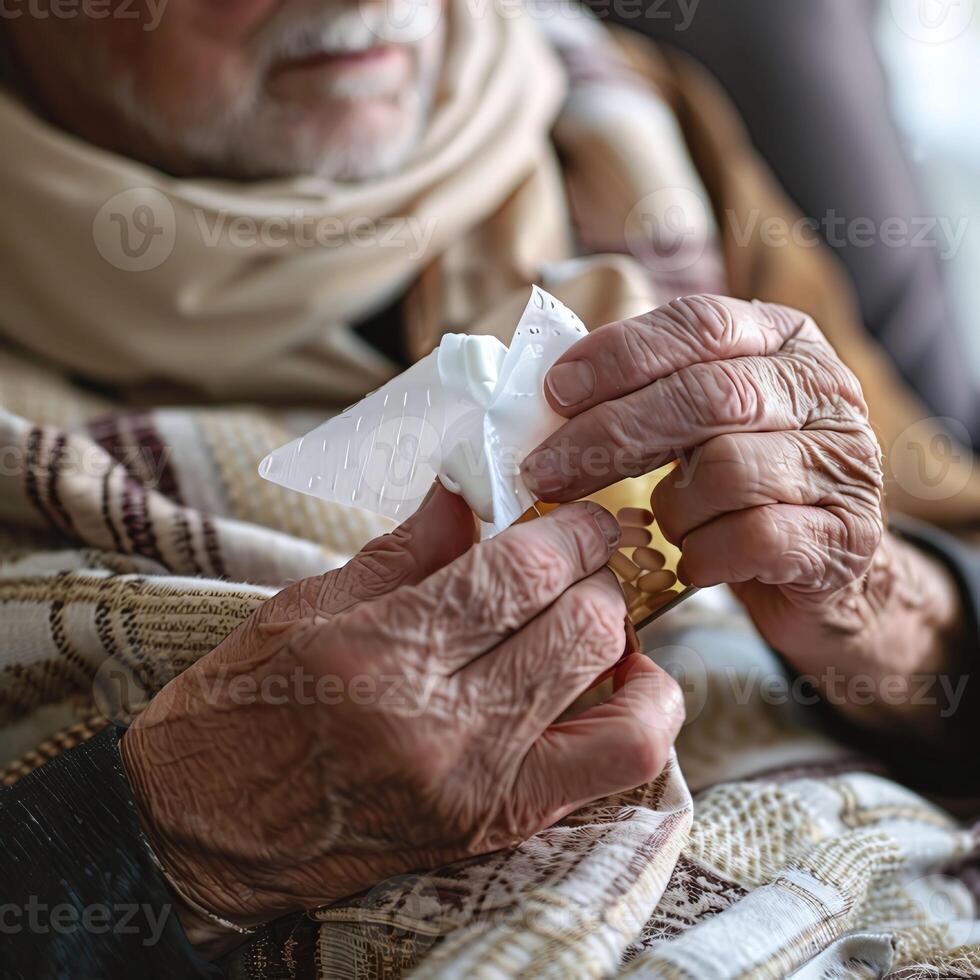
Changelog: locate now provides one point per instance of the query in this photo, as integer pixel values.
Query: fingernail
(543, 472)
(571, 382)
(608, 524)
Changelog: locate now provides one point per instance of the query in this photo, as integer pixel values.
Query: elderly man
(456, 159)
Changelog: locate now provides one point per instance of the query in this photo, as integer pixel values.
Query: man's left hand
(779, 487)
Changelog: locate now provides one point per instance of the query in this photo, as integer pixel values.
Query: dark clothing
(808, 82)
(80, 895)
(953, 770)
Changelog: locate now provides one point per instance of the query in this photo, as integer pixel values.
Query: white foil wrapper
(468, 413)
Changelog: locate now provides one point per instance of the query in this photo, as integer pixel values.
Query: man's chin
(372, 140)
(343, 141)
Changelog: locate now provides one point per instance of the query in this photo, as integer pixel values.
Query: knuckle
(864, 532)
(637, 352)
(706, 323)
(647, 751)
(847, 465)
(723, 451)
(788, 321)
(766, 532)
(579, 540)
(510, 580)
(837, 552)
(719, 395)
(724, 465)
(619, 425)
(381, 566)
(869, 456)
(523, 572)
(598, 616)
(623, 440)
(834, 388)
(849, 384)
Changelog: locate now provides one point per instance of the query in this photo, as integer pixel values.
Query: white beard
(245, 139)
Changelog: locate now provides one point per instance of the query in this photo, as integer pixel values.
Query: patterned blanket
(765, 847)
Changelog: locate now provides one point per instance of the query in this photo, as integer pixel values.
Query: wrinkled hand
(398, 714)
(779, 486)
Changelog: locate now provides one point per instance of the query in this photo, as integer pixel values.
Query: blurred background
(867, 111)
(935, 97)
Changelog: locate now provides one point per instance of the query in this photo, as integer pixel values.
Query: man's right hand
(397, 714)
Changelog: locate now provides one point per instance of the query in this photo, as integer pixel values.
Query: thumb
(441, 530)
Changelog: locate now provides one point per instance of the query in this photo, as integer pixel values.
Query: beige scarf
(128, 276)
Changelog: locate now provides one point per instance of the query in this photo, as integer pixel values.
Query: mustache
(358, 29)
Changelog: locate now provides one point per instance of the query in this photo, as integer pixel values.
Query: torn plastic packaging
(468, 414)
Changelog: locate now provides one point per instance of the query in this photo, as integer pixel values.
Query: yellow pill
(634, 537)
(623, 567)
(649, 559)
(631, 593)
(654, 582)
(655, 602)
(634, 516)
